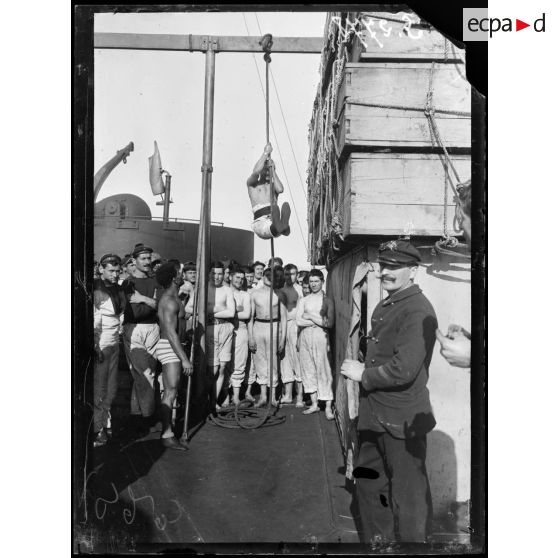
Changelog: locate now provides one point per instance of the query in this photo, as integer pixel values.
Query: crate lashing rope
(448, 240)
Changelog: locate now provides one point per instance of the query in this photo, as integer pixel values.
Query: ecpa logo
(477, 26)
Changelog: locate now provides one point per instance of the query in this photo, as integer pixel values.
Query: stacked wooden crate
(392, 165)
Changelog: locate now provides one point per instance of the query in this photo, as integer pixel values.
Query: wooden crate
(390, 193)
(403, 85)
(393, 42)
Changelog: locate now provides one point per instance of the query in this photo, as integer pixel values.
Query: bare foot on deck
(236, 402)
(274, 402)
(285, 401)
(249, 397)
(261, 403)
(299, 405)
(310, 410)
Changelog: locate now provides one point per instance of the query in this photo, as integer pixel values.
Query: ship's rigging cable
(278, 148)
(246, 417)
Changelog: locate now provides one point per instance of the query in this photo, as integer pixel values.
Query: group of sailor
(150, 303)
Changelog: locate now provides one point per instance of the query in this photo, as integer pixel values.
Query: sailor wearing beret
(392, 489)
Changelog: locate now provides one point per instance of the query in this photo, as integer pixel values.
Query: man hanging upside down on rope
(268, 222)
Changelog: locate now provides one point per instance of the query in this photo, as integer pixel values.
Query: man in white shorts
(219, 334)
(169, 351)
(268, 222)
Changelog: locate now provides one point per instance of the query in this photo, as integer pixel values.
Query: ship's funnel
(155, 168)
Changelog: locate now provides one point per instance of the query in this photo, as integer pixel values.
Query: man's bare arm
(245, 311)
(330, 313)
(251, 342)
(230, 308)
(258, 169)
(326, 316)
(277, 184)
(300, 320)
(283, 335)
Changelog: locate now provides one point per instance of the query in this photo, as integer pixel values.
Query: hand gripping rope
(245, 416)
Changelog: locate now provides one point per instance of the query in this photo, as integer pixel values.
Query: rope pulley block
(266, 42)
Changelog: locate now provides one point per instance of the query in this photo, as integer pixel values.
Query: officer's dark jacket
(394, 396)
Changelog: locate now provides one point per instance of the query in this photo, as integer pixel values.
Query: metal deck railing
(144, 218)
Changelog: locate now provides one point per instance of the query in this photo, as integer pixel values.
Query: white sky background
(142, 96)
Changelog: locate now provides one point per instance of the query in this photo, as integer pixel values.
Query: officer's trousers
(392, 488)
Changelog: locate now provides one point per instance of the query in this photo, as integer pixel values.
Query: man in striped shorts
(169, 351)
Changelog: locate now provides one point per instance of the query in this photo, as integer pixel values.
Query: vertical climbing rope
(266, 43)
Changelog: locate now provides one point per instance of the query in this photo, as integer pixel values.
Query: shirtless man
(315, 315)
(169, 351)
(218, 338)
(257, 282)
(240, 339)
(258, 274)
(258, 336)
(268, 221)
(290, 366)
(249, 276)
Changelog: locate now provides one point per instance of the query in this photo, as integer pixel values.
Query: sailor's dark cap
(127, 259)
(398, 252)
(110, 259)
(141, 249)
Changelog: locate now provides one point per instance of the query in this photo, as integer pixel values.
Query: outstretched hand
(268, 149)
(455, 348)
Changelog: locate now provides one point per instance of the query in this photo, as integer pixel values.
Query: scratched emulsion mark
(366, 27)
(108, 527)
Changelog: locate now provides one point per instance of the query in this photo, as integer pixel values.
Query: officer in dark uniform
(392, 488)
